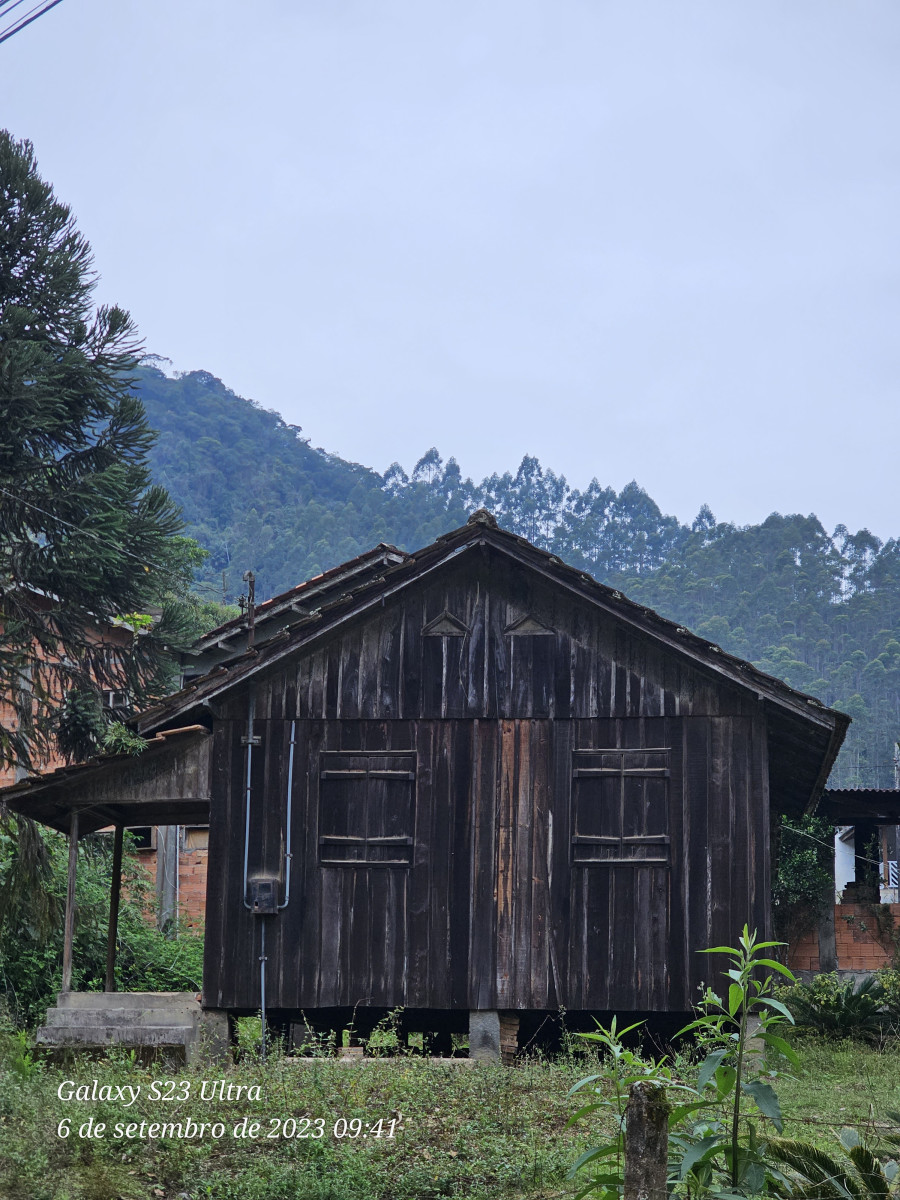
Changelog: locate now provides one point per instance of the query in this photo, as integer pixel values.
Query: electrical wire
(62, 521)
(874, 862)
(31, 15)
(8, 5)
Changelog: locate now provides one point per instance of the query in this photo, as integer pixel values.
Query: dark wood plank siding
(491, 911)
(586, 664)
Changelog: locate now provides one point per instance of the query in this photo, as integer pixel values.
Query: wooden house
(477, 783)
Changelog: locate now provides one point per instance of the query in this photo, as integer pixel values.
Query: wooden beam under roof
(169, 783)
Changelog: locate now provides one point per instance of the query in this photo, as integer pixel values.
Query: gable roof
(804, 734)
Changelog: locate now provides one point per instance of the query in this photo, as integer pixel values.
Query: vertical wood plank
(505, 864)
(419, 885)
(698, 881)
(741, 838)
(523, 855)
(306, 909)
(721, 832)
(460, 901)
(413, 667)
(677, 993)
(482, 932)
(541, 817)
(439, 932)
(351, 650)
(560, 881)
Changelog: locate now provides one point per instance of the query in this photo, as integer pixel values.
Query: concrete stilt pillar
(484, 1035)
(215, 1039)
(646, 1143)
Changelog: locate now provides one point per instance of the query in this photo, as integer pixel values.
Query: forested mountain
(820, 611)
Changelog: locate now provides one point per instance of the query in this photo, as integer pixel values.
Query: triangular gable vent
(447, 625)
(528, 624)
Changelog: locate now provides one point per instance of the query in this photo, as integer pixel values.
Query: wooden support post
(828, 960)
(167, 877)
(114, 892)
(646, 1143)
(69, 929)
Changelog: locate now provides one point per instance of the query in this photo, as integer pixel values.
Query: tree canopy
(87, 540)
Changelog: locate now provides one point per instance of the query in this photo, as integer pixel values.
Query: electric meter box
(264, 895)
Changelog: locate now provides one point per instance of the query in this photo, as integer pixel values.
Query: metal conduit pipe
(288, 856)
(251, 710)
(287, 841)
(262, 986)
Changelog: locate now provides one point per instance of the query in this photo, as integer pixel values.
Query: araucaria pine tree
(86, 543)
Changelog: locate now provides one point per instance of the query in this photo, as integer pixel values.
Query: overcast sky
(637, 239)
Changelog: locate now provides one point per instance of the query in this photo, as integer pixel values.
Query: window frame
(621, 840)
(333, 842)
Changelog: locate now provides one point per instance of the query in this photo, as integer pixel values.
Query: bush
(803, 874)
(32, 905)
(889, 981)
(838, 1010)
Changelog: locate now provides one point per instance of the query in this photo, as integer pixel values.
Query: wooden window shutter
(366, 808)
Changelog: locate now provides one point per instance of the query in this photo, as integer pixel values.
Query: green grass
(467, 1131)
(843, 1083)
(472, 1132)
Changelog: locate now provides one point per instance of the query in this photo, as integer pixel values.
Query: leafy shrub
(119, 739)
(803, 873)
(838, 1010)
(33, 873)
(248, 1036)
(889, 981)
(815, 1175)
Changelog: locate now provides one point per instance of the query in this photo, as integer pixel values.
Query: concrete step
(71, 1018)
(125, 999)
(113, 1035)
(98, 1019)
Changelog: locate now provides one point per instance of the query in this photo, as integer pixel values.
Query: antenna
(250, 580)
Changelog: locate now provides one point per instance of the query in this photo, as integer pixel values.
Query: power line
(31, 15)
(8, 5)
(875, 862)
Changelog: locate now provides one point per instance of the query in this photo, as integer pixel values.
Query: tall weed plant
(718, 1147)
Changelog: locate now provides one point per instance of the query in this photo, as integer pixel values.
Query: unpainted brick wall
(192, 868)
(858, 947)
